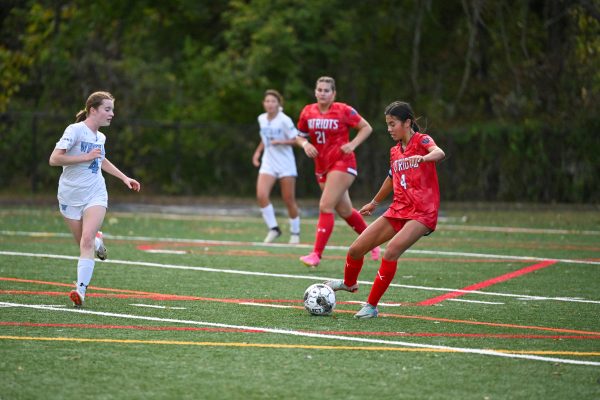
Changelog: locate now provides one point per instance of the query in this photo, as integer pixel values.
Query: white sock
(295, 225)
(85, 269)
(97, 243)
(268, 214)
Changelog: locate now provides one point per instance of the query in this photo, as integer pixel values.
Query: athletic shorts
(340, 165)
(76, 212)
(398, 224)
(279, 171)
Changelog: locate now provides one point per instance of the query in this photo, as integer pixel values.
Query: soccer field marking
(167, 297)
(486, 283)
(160, 307)
(289, 276)
(477, 301)
(284, 245)
(248, 303)
(317, 335)
(287, 346)
(356, 333)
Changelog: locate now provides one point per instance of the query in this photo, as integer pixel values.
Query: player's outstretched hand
(132, 184)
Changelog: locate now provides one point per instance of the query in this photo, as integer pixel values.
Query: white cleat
(294, 238)
(99, 244)
(273, 234)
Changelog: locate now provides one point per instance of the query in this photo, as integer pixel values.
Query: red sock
(324, 229)
(351, 270)
(356, 221)
(384, 277)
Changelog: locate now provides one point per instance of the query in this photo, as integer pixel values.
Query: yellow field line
(284, 346)
(225, 344)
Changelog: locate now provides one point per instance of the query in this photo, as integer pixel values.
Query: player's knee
(86, 243)
(357, 251)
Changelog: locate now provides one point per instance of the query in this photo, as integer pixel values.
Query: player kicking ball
(412, 214)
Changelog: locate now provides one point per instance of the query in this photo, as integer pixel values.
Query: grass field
(195, 307)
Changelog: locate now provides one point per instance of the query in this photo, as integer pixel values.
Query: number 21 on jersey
(320, 137)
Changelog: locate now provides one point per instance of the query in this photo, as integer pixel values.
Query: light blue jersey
(82, 182)
(277, 160)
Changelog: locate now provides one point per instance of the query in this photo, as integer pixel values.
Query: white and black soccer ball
(319, 299)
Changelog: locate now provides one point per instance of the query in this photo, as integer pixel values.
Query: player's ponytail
(402, 111)
(93, 101)
(81, 115)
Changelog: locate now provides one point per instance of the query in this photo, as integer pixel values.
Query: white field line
(506, 229)
(474, 301)
(314, 335)
(288, 276)
(166, 251)
(307, 246)
(161, 307)
(264, 305)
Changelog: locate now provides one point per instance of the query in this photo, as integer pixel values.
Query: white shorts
(289, 170)
(76, 212)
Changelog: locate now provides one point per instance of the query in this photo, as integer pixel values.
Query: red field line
(489, 282)
(350, 333)
(391, 315)
(150, 296)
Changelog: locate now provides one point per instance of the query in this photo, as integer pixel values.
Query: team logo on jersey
(322, 123)
(353, 111)
(426, 140)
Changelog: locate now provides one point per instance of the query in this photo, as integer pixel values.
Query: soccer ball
(319, 299)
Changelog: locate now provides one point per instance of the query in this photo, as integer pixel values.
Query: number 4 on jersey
(94, 166)
(403, 181)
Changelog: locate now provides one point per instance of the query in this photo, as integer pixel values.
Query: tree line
(509, 89)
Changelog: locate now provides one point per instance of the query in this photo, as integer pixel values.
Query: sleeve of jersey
(67, 140)
(426, 142)
(352, 116)
(302, 124)
(290, 129)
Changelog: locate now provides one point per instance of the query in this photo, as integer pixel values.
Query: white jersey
(83, 181)
(277, 159)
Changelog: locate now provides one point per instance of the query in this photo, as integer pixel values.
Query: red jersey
(328, 132)
(416, 189)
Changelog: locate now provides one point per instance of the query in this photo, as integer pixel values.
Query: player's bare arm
(386, 188)
(364, 131)
(58, 158)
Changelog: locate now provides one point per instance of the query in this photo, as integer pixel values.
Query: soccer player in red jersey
(412, 214)
(325, 136)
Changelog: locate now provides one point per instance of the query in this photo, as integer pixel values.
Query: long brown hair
(93, 101)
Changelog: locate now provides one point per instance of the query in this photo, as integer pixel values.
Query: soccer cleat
(338, 284)
(311, 260)
(273, 234)
(294, 238)
(375, 252)
(99, 244)
(368, 311)
(76, 297)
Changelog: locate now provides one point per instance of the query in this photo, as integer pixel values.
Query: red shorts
(398, 224)
(340, 165)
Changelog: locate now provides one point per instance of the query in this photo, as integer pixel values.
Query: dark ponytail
(402, 111)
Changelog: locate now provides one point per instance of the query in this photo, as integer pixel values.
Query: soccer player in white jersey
(278, 135)
(82, 194)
